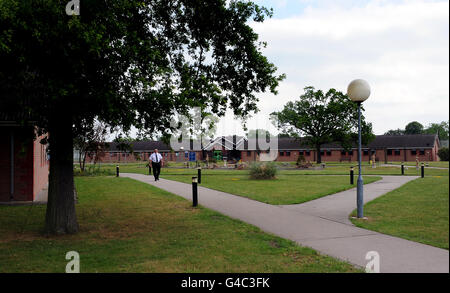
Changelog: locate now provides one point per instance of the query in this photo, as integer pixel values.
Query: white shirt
(156, 157)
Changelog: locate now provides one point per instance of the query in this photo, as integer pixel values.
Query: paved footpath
(322, 224)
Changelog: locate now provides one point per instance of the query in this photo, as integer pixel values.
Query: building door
(5, 167)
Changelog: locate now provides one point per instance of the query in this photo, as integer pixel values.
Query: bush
(263, 170)
(93, 170)
(443, 154)
(300, 160)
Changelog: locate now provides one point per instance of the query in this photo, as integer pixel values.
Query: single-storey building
(386, 148)
(24, 164)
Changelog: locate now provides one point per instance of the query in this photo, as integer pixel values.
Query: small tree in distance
(322, 118)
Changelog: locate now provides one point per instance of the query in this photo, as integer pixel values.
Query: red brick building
(23, 164)
(234, 148)
(385, 147)
(141, 152)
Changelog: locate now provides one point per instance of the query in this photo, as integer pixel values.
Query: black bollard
(117, 170)
(351, 175)
(199, 175)
(422, 171)
(194, 192)
(403, 169)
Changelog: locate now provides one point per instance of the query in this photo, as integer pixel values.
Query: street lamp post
(358, 91)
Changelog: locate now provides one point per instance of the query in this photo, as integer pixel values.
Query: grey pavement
(322, 224)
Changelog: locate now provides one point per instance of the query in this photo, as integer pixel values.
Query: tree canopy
(323, 118)
(441, 129)
(125, 63)
(414, 127)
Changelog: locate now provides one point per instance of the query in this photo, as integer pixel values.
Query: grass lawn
(331, 169)
(286, 189)
(129, 226)
(418, 211)
(440, 164)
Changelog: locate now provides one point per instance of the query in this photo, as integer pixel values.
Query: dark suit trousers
(156, 169)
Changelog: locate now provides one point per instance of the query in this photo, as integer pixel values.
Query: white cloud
(401, 49)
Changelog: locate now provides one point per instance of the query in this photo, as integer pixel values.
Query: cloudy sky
(400, 47)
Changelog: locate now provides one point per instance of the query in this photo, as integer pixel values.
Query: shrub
(263, 170)
(300, 160)
(443, 154)
(94, 170)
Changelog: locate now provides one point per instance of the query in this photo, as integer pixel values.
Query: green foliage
(443, 154)
(130, 62)
(93, 170)
(263, 170)
(441, 129)
(395, 132)
(300, 160)
(414, 128)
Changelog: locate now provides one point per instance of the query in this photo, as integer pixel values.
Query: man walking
(156, 159)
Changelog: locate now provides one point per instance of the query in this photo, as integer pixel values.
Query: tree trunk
(319, 156)
(60, 216)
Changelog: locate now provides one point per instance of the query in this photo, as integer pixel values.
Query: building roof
(419, 141)
(404, 141)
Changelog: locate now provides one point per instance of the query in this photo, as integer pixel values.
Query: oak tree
(124, 63)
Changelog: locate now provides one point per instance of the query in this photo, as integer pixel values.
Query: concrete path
(322, 225)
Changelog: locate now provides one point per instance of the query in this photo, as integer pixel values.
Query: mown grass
(440, 164)
(330, 169)
(129, 226)
(284, 189)
(418, 211)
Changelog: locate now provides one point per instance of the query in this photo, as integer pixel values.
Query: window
(328, 153)
(343, 153)
(350, 153)
(322, 153)
(249, 153)
(422, 152)
(288, 154)
(413, 152)
(366, 152)
(397, 152)
(281, 153)
(389, 152)
(308, 153)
